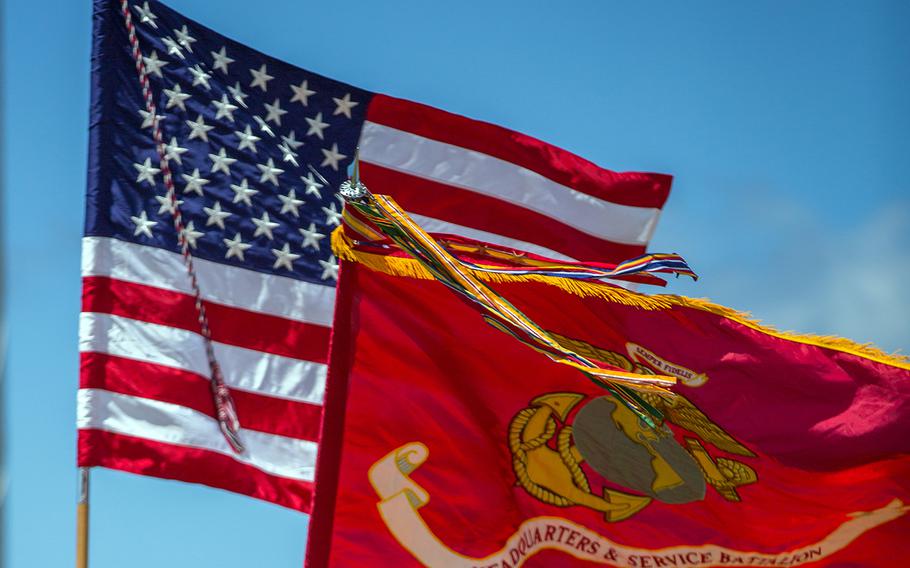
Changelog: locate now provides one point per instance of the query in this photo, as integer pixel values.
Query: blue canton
(241, 129)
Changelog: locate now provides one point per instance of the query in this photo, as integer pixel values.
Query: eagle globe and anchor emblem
(548, 450)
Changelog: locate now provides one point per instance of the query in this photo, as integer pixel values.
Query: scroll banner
(401, 500)
(455, 445)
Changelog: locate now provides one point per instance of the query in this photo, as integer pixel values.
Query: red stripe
(193, 465)
(256, 411)
(470, 209)
(229, 325)
(629, 188)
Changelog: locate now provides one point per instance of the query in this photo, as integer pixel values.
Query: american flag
(242, 135)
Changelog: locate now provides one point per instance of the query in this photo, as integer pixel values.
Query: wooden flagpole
(82, 520)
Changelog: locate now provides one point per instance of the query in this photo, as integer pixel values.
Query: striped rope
(226, 413)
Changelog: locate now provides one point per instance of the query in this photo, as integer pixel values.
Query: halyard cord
(224, 405)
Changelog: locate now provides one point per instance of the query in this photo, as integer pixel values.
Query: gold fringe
(405, 266)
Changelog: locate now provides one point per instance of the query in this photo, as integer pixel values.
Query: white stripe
(431, 225)
(221, 283)
(245, 369)
(174, 424)
(456, 166)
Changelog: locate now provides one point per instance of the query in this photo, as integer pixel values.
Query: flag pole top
(352, 189)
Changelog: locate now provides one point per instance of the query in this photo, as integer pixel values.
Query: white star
(146, 172)
(274, 112)
(344, 105)
(216, 215)
(247, 139)
(311, 237)
(146, 16)
(332, 157)
(153, 65)
(225, 108)
(301, 93)
(199, 129)
(284, 257)
(290, 203)
(190, 233)
(332, 216)
(185, 39)
(288, 155)
(172, 47)
(263, 126)
(220, 161)
(143, 225)
(200, 77)
(221, 60)
(235, 247)
(312, 186)
(173, 151)
(260, 78)
(238, 94)
(269, 172)
(316, 125)
(176, 97)
(264, 226)
(165, 205)
(243, 192)
(291, 141)
(148, 121)
(329, 268)
(194, 182)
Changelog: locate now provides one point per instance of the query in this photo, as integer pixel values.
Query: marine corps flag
(460, 439)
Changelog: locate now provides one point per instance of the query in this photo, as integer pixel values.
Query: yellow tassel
(408, 267)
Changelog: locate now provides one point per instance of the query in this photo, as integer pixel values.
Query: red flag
(453, 444)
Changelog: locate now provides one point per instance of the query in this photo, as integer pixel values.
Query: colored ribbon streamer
(381, 220)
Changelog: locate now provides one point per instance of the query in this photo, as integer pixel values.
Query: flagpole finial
(355, 174)
(352, 189)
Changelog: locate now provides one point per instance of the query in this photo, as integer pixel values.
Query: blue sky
(786, 125)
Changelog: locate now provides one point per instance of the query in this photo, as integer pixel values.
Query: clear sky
(786, 124)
